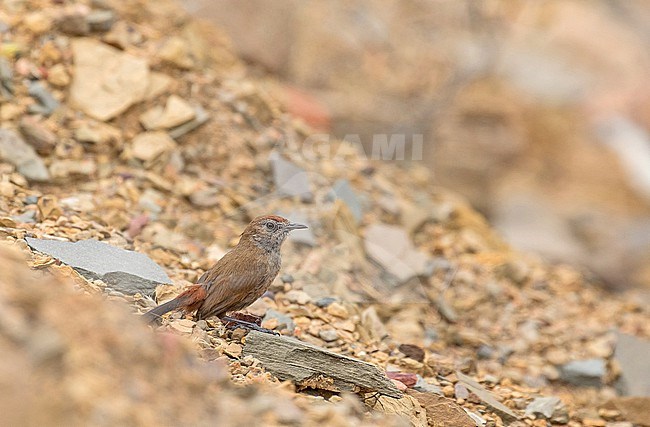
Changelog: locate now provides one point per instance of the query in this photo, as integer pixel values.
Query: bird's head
(269, 231)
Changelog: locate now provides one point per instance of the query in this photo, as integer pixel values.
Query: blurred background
(537, 111)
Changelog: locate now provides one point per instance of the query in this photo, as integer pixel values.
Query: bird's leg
(246, 325)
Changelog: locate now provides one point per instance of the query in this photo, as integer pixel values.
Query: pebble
(233, 349)
(586, 373)
(338, 310)
(328, 335)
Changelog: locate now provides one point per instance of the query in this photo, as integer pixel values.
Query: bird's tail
(187, 300)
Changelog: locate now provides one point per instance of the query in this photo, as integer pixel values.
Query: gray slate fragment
(126, 271)
(310, 366)
(543, 406)
(290, 180)
(47, 102)
(342, 190)
(585, 373)
(486, 397)
(15, 150)
(633, 356)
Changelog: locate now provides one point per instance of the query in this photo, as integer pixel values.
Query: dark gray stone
(290, 180)
(585, 373)
(15, 150)
(633, 356)
(342, 190)
(324, 302)
(125, 271)
(47, 102)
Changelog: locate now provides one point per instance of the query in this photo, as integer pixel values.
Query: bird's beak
(295, 226)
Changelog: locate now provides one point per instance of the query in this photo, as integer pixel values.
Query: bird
(239, 278)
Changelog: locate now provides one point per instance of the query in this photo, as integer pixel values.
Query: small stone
(296, 296)
(47, 102)
(159, 83)
(413, 351)
(96, 133)
(485, 352)
(147, 146)
(14, 150)
(338, 310)
(325, 302)
(585, 373)
(287, 278)
(175, 113)
(74, 24)
(200, 117)
(328, 335)
(233, 350)
(460, 391)
(184, 326)
(58, 76)
(100, 20)
(176, 51)
(543, 406)
(290, 180)
(37, 135)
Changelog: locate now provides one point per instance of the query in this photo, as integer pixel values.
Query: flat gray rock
(584, 373)
(343, 190)
(487, 397)
(290, 180)
(15, 150)
(309, 366)
(633, 356)
(126, 271)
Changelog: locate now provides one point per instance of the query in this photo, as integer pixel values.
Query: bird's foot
(235, 322)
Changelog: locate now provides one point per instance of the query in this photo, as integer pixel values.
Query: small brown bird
(240, 277)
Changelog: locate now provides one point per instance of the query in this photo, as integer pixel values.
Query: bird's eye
(270, 226)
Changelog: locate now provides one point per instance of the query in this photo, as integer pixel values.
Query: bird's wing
(229, 293)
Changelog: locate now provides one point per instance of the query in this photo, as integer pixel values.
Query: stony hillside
(129, 123)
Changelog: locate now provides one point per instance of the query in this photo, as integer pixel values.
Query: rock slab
(309, 366)
(106, 80)
(125, 271)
